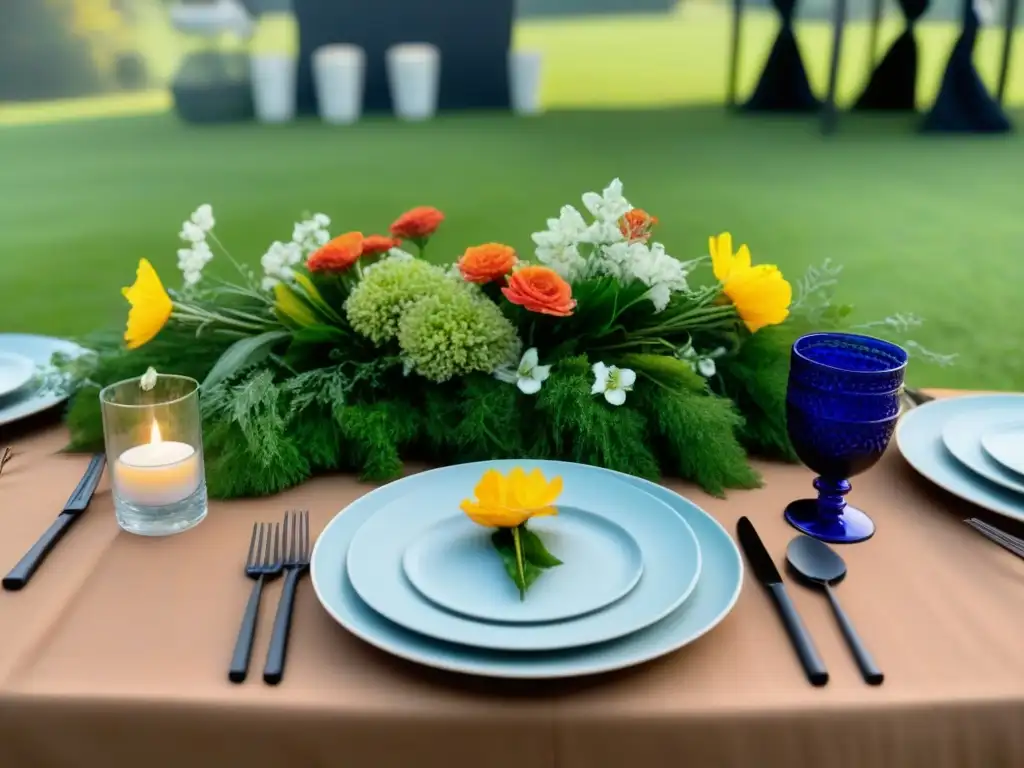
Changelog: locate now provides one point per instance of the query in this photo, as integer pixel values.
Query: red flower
(338, 255)
(375, 244)
(417, 224)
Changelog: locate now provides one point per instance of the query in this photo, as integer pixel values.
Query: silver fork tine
(1002, 540)
(999, 532)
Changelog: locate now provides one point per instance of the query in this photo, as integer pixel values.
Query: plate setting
(453, 564)
(717, 589)
(1005, 446)
(15, 372)
(671, 565)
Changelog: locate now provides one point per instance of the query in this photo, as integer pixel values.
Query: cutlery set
(274, 549)
(818, 564)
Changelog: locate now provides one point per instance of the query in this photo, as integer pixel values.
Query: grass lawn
(922, 224)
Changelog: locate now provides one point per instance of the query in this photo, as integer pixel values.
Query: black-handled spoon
(819, 564)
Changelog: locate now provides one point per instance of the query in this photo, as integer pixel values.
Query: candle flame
(154, 433)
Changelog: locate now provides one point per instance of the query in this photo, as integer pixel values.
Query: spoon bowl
(815, 561)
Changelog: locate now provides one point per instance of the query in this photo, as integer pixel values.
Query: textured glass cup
(154, 445)
(842, 404)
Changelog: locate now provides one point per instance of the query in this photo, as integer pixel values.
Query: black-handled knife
(76, 505)
(766, 572)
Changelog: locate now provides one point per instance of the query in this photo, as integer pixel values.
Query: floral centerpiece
(356, 352)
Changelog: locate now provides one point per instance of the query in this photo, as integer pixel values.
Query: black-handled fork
(296, 563)
(263, 563)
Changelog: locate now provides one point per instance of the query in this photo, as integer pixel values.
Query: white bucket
(339, 74)
(524, 72)
(414, 73)
(273, 87)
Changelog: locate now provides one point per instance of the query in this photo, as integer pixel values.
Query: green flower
(386, 290)
(456, 330)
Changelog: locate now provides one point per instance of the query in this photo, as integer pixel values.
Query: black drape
(964, 105)
(892, 85)
(474, 37)
(783, 86)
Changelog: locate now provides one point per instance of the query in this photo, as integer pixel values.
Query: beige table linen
(116, 653)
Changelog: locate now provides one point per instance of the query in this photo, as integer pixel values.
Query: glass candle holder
(154, 444)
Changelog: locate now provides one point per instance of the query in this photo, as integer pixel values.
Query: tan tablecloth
(115, 655)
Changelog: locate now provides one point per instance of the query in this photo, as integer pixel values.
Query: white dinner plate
(714, 597)
(40, 350)
(671, 560)
(919, 439)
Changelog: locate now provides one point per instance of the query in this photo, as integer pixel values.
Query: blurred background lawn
(929, 225)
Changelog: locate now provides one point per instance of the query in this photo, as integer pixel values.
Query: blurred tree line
(52, 49)
(40, 55)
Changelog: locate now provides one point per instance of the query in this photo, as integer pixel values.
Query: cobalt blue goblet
(842, 404)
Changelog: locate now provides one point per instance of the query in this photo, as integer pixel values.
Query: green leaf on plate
(534, 550)
(526, 564)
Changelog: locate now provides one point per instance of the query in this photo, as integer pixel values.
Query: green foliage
(755, 378)
(248, 449)
(85, 420)
(245, 352)
(696, 438)
(375, 435)
(582, 427)
(665, 371)
(478, 418)
(455, 331)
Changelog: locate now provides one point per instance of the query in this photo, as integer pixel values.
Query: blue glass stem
(831, 496)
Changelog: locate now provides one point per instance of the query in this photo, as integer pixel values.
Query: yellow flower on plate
(150, 306)
(760, 293)
(508, 502)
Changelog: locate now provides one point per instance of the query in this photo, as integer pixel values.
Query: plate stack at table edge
(24, 359)
(972, 447)
(644, 572)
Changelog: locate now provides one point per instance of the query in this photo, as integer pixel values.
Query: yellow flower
(508, 502)
(292, 306)
(151, 306)
(760, 293)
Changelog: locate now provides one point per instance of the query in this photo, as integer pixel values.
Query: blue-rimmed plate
(671, 559)
(34, 397)
(919, 438)
(453, 564)
(715, 595)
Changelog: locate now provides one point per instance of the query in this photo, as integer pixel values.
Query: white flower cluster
(577, 250)
(280, 260)
(197, 255)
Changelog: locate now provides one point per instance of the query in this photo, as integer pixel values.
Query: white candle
(157, 473)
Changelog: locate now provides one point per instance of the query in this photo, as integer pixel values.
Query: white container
(524, 73)
(339, 73)
(273, 87)
(414, 73)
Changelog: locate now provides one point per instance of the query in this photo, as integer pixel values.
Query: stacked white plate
(24, 359)
(644, 572)
(972, 447)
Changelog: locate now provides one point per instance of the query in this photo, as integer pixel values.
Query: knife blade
(76, 505)
(766, 572)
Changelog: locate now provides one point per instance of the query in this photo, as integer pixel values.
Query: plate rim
(525, 647)
(993, 476)
(41, 402)
(583, 670)
(1019, 426)
(912, 416)
(29, 370)
(636, 555)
